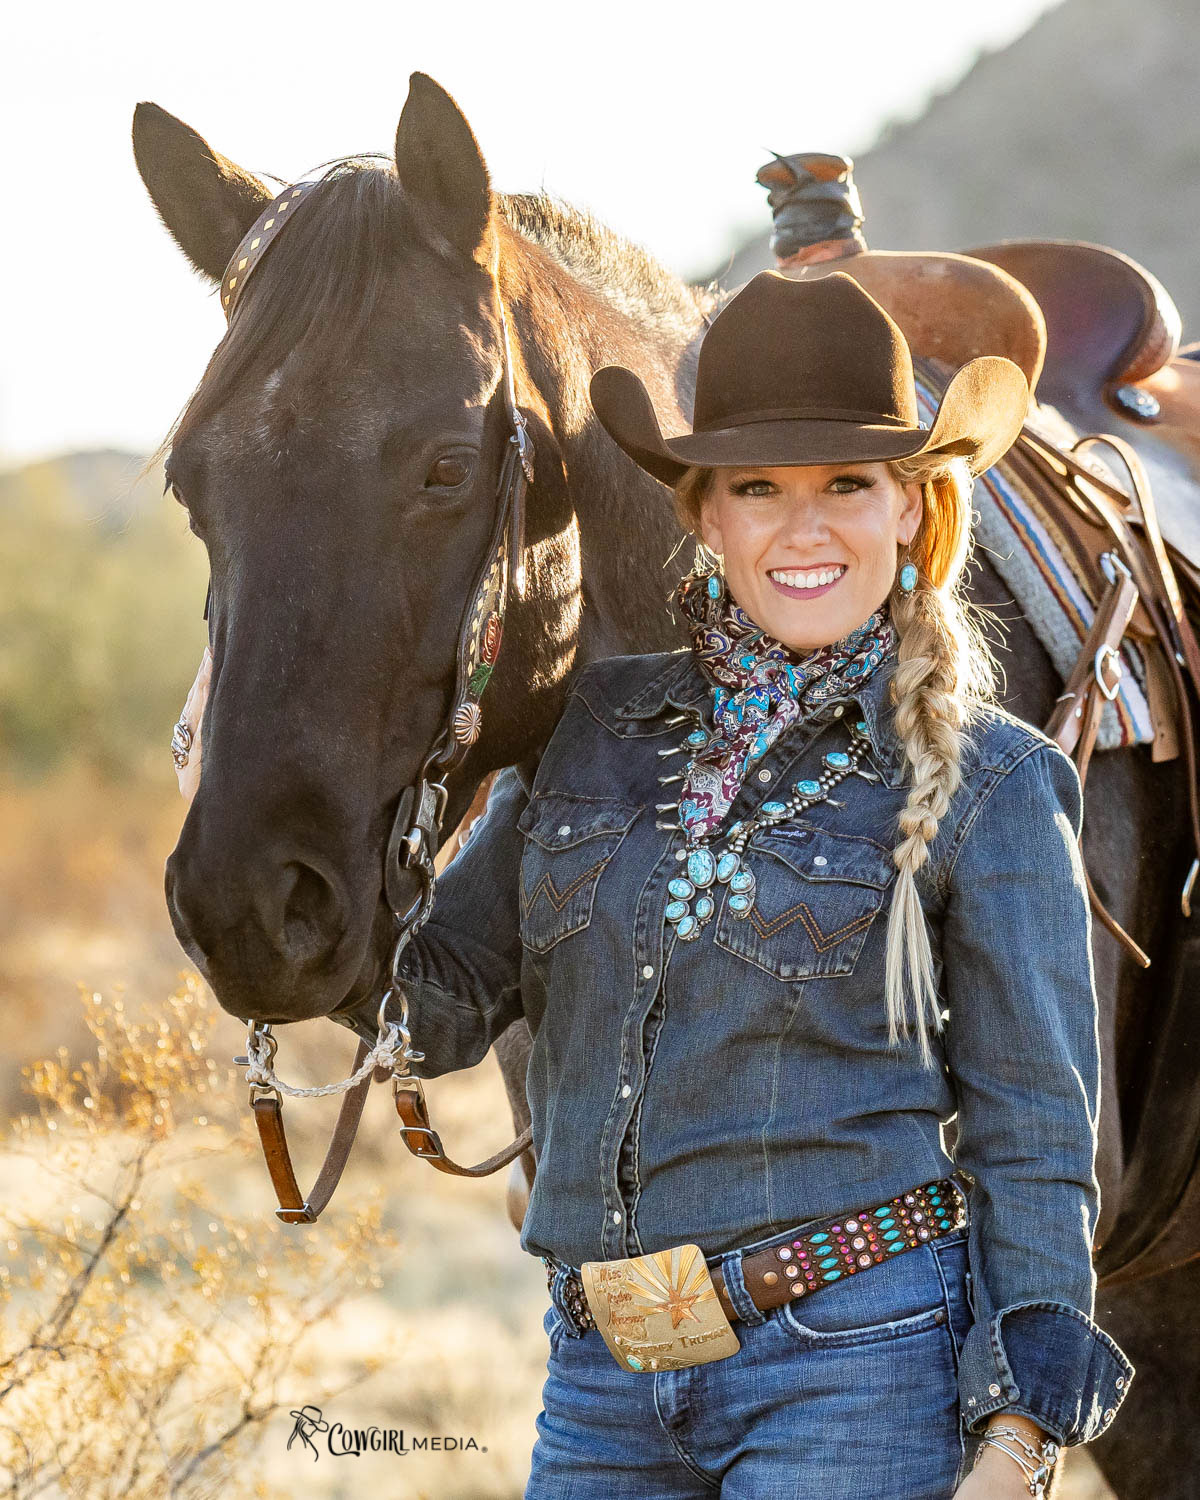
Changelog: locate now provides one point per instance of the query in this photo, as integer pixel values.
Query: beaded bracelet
(1038, 1469)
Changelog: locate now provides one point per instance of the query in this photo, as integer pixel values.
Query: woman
(767, 1275)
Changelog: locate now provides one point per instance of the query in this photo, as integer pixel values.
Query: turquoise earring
(908, 578)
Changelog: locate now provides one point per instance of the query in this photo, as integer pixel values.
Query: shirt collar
(682, 684)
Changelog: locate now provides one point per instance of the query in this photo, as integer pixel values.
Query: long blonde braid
(944, 669)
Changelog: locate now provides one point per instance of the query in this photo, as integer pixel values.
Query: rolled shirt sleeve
(462, 970)
(1022, 1046)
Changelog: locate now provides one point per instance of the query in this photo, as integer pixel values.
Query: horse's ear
(441, 168)
(206, 201)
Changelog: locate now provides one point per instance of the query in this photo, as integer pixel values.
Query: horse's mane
(317, 291)
(621, 272)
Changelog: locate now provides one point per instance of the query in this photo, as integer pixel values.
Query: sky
(653, 116)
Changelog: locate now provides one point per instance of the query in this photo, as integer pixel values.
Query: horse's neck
(627, 525)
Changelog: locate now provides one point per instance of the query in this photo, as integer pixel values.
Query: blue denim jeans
(853, 1392)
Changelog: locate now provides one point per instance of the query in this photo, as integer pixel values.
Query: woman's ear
(710, 527)
(911, 512)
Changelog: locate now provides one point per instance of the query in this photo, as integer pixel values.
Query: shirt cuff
(363, 1018)
(1048, 1360)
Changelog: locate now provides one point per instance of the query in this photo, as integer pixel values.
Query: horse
(338, 461)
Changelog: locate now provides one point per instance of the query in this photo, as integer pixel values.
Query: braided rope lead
(391, 1051)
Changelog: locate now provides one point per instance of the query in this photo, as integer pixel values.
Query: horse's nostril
(311, 924)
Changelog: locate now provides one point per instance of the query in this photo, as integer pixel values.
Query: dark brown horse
(338, 460)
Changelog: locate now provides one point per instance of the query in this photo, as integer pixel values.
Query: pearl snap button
(819, 859)
(838, 711)
(647, 971)
(971, 1401)
(616, 1217)
(565, 829)
(993, 1389)
(764, 776)
(1109, 1414)
(625, 1091)
(1120, 1382)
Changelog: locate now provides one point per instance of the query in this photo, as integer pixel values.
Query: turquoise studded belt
(799, 1263)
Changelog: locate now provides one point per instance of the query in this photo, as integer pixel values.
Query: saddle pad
(1020, 538)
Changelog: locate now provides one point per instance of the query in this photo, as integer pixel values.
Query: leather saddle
(1109, 321)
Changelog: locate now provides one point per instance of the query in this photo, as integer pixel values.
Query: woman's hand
(193, 713)
(994, 1477)
(997, 1475)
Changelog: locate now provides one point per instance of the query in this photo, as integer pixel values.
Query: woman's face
(810, 552)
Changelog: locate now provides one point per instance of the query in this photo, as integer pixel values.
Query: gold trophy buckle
(658, 1311)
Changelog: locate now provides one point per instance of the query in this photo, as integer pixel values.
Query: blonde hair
(944, 671)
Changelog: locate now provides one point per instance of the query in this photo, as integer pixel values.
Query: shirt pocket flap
(818, 854)
(559, 820)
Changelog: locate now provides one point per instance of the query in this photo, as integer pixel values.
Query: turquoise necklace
(691, 897)
(753, 672)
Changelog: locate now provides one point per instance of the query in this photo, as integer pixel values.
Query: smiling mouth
(805, 583)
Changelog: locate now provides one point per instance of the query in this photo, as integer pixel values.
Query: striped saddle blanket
(1021, 541)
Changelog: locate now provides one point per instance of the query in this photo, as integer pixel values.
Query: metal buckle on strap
(658, 1311)
(1108, 653)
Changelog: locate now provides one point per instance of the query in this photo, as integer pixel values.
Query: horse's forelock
(312, 299)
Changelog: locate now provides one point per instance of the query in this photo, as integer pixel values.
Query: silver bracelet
(1036, 1467)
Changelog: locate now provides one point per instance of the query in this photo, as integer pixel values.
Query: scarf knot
(760, 688)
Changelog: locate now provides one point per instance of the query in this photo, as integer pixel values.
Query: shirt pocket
(569, 841)
(815, 895)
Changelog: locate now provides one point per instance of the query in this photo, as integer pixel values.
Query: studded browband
(415, 835)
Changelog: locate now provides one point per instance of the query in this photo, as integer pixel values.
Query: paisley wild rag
(760, 688)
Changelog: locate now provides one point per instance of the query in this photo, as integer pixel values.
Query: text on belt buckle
(658, 1311)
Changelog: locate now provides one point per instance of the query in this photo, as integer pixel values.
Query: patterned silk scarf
(760, 688)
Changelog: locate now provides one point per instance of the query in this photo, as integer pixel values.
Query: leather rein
(409, 875)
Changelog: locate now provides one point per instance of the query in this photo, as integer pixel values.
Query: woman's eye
(851, 482)
(753, 487)
(448, 473)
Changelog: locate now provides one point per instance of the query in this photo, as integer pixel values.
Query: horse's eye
(447, 473)
(177, 494)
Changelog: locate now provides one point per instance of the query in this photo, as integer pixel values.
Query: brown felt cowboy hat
(812, 372)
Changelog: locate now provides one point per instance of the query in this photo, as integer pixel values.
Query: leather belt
(801, 1262)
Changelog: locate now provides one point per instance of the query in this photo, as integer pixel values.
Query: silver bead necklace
(691, 898)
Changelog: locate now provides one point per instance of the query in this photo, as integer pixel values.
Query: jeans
(849, 1394)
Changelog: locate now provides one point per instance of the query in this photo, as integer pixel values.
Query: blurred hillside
(100, 615)
(101, 629)
(1084, 128)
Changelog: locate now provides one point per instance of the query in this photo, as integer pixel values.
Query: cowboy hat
(312, 1415)
(812, 372)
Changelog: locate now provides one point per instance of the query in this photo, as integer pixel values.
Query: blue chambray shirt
(725, 1089)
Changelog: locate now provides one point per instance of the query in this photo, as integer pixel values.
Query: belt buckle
(658, 1311)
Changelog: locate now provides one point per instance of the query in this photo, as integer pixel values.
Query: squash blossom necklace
(760, 688)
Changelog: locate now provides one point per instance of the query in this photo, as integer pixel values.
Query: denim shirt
(727, 1088)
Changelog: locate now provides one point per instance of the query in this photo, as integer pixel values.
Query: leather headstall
(409, 876)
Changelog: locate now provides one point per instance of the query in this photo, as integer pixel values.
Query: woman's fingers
(192, 715)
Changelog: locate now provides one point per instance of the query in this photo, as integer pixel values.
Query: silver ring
(181, 743)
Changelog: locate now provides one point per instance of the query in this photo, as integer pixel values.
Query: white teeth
(808, 580)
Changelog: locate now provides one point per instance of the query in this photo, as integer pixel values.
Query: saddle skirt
(1028, 549)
